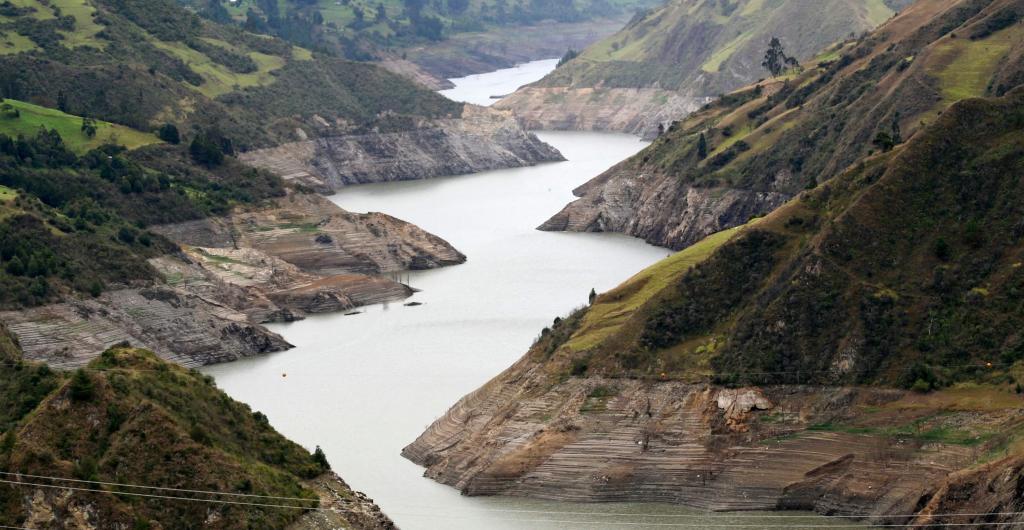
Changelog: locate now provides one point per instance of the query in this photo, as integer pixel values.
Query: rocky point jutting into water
(299, 254)
(670, 60)
(481, 139)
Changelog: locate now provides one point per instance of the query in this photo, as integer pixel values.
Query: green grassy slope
(705, 48)
(130, 417)
(31, 117)
(904, 270)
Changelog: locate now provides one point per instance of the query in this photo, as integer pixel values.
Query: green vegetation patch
(614, 308)
(969, 64)
(11, 43)
(30, 118)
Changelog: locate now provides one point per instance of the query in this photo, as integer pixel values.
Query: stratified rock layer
(482, 139)
(636, 111)
(612, 440)
(296, 255)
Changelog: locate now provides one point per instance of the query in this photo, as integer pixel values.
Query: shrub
(921, 386)
(82, 387)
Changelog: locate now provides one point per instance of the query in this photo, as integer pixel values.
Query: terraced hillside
(753, 149)
(131, 418)
(668, 61)
(856, 352)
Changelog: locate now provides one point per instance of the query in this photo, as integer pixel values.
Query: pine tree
(702, 147)
(592, 297)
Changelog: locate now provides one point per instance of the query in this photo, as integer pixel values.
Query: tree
(89, 127)
(15, 266)
(775, 59)
(82, 387)
(62, 101)
(321, 459)
(702, 147)
(592, 297)
(206, 151)
(169, 133)
(570, 54)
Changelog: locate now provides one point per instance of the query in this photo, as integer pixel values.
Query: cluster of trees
(776, 61)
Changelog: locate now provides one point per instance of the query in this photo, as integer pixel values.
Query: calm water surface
(364, 386)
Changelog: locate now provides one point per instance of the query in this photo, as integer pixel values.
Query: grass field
(32, 117)
(612, 309)
(967, 65)
(85, 27)
(218, 78)
(7, 194)
(11, 42)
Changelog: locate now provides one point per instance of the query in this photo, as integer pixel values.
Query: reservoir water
(364, 386)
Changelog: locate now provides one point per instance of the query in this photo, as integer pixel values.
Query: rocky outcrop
(657, 208)
(482, 139)
(180, 326)
(636, 111)
(341, 508)
(612, 440)
(296, 255)
(318, 237)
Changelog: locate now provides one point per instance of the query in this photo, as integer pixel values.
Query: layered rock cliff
(482, 139)
(666, 62)
(751, 150)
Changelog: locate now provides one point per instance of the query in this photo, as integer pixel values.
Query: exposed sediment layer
(655, 207)
(482, 139)
(636, 111)
(297, 255)
(614, 440)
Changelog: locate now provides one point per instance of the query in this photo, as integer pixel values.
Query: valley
(515, 264)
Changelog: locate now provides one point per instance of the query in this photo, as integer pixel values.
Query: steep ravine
(482, 139)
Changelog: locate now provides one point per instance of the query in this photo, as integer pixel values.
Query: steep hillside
(190, 456)
(146, 63)
(669, 61)
(856, 352)
(753, 149)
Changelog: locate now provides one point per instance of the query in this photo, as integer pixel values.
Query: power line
(154, 496)
(558, 521)
(181, 490)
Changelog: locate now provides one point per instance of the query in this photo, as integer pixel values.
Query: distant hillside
(668, 60)
(366, 29)
(147, 62)
(750, 151)
(130, 418)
